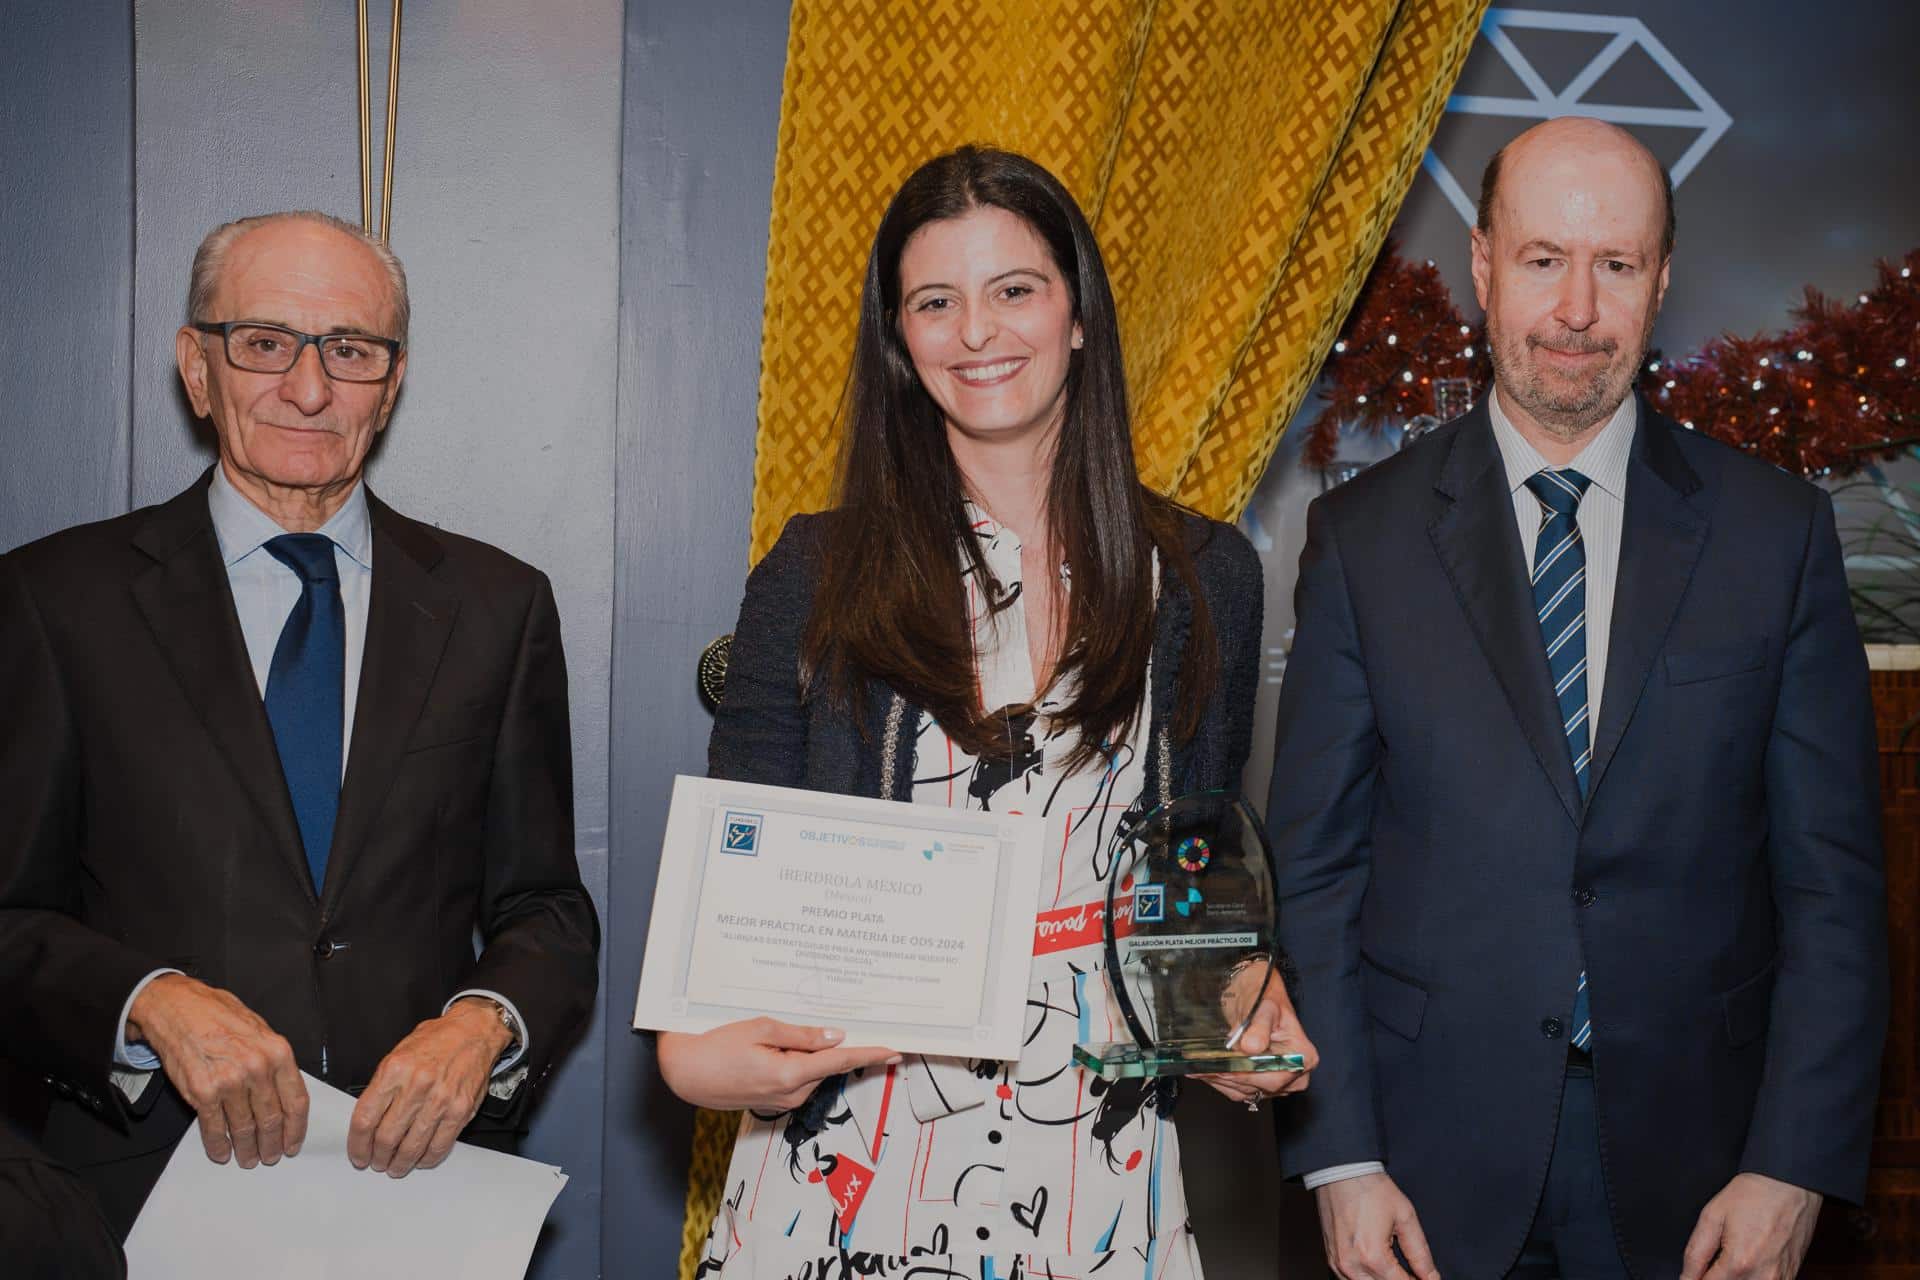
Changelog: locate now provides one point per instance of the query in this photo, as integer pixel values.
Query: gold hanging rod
(385, 228)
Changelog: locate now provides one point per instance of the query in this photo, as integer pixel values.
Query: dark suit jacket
(146, 822)
(1442, 884)
(50, 1227)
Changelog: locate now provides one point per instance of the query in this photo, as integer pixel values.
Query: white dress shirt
(264, 594)
(1601, 513)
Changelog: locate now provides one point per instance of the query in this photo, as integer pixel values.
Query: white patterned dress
(943, 1167)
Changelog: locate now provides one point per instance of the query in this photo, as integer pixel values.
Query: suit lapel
(409, 617)
(1479, 544)
(188, 603)
(1661, 538)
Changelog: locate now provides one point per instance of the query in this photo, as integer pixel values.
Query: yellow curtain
(1240, 160)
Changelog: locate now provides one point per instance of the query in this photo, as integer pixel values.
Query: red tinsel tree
(1837, 391)
(1403, 335)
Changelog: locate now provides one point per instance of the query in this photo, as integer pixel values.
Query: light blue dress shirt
(264, 593)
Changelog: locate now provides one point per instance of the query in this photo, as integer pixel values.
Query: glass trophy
(1189, 935)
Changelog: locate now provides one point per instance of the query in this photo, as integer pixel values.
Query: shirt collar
(1603, 460)
(242, 528)
(999, 544)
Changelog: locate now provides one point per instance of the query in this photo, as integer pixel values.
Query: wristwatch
(507, 1020)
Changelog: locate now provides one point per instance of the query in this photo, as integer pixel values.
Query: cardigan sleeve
(1238, 602)
(760, 728)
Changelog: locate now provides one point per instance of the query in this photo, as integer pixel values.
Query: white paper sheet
(475, 1216)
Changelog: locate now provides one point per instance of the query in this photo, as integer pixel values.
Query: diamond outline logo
(1706, 114)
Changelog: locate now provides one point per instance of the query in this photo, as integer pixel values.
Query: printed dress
(942, 1167)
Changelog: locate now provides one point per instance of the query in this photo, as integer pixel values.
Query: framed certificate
(909, 926)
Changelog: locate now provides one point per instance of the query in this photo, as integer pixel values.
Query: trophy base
(1126, 1060)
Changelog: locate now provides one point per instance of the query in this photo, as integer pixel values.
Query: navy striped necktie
(1560, 601)
(305, 692)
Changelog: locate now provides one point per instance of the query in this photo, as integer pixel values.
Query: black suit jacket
(50, 1227)
(1442, 883)
(146, 822)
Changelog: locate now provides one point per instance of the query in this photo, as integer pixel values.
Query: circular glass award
(1189, 934)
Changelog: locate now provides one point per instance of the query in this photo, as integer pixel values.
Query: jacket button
(1551, 1028)
(324, 948)
(1584, 896)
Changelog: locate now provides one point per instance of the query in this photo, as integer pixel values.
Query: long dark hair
(891, 603)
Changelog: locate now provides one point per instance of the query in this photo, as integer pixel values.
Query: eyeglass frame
(225, 329)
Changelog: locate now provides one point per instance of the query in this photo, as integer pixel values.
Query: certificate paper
(909, 926)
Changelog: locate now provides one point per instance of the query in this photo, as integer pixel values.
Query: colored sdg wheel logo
(1193, 855)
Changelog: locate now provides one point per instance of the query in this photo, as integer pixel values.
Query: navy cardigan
(764, 731)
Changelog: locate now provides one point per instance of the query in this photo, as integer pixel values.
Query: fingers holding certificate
(759, 1064)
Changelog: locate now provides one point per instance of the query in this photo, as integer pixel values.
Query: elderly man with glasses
(274, 752)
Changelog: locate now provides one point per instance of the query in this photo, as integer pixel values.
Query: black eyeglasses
(272, 348)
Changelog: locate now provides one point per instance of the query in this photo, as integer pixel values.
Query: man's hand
(237, 1075)
(1757, 1228)
(426, 1089)
(1361, 1219)
(1274, 1027)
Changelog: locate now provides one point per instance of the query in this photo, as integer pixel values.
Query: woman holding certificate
(997, 616)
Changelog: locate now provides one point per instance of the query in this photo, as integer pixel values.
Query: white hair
(211, 258)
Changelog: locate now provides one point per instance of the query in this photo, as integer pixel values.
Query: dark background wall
(66, 282)
(596, 175)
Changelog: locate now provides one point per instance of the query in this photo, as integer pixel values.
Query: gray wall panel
(702, 107)
(212, 75)
(66, 275)
(506, 211)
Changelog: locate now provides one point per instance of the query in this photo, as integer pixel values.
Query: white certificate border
(1017, 844)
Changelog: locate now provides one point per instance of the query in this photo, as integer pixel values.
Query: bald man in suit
(1575, 803)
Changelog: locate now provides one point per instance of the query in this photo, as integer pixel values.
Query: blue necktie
(304, 692)
(1560, 600)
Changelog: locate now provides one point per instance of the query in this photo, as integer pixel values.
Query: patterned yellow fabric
(1240, 160)
(713, 1133)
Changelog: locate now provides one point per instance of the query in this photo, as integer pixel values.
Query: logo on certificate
(742, 835)
(1149, 903)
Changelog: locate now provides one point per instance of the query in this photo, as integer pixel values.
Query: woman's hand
(760, 1064)
(1274, 1027)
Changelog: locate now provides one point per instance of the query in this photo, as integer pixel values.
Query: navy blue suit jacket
(1442, 884)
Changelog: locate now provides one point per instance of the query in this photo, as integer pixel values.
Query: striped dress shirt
(1602, 510)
